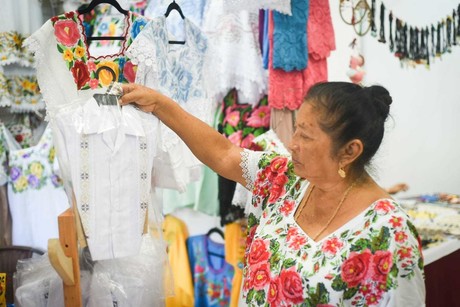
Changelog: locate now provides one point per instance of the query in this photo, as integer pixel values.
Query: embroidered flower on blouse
(88, 72)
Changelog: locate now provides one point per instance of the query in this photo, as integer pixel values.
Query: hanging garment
(235, 243)
(240, 123)
(233, 59)
(287, 89)
(282, 6)
(290, 51)
(212, 275)
(192, 9)
(174, 70)
(176, 233)
(106, 153)
(35, 193)
(12, 50)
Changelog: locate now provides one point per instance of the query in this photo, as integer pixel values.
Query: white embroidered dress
(35, 193)
(106, 153)
(174, 70)
(233, 58)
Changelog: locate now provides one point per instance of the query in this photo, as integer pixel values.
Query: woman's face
(311, 148)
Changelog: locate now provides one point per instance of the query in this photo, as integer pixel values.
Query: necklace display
(345, 194)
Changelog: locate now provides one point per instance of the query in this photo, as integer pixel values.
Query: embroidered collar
(94, 72)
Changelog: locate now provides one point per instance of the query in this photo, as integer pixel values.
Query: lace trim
(244, 164)
(282, 6)
(140, 53)
(33, 45)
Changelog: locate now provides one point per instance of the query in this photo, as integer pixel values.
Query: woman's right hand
(147, 99)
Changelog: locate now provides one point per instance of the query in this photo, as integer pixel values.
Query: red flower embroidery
(279, 165)
(259, 252)
(275, 293)
(275, 192)
(69, 15)
(396, 221)
(291, 285)
(260, 276)
(355, 268)
(400, 236)
(405, 252)
(331, 246)
(382, 261)
(287, 207)
(296, 242)
(384, 206)
(80, 74)
(66, 32)
(372, 299)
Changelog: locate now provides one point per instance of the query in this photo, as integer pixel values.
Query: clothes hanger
(174, 6)
(220, 233)
(91, 6)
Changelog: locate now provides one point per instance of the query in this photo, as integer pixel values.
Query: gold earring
(342, 172)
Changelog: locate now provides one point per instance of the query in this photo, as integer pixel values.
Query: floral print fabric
(89, 72)
(373, 260)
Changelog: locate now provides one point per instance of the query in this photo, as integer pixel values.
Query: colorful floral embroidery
(241, 123)
(12, 50)
(361, 265)
(89, 72)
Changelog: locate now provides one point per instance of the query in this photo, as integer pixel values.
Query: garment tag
(106, 99)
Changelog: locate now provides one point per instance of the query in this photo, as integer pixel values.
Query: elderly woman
(321, 231)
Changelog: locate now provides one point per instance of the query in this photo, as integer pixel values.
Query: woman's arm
(209, 146)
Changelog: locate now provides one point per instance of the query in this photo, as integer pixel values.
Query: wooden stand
(63, 255)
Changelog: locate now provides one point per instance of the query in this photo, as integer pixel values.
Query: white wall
(422, 142)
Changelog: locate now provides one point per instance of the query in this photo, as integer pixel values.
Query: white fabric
(106, 154)
(282, 6)
(24, 16)
(233, 59)
(175, 70)
(35, 196)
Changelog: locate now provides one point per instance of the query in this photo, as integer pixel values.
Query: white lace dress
(175, 70)
(233, 59)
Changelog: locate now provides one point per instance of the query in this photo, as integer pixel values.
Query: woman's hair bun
(381, 98)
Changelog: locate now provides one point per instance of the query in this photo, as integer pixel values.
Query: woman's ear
(351, 151)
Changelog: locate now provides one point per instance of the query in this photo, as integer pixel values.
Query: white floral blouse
(373, 260)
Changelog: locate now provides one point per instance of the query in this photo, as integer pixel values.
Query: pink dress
(287, 89)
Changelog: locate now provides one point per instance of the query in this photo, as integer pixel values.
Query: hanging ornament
(355, 69)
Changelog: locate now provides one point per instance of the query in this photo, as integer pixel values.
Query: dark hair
(349, 111)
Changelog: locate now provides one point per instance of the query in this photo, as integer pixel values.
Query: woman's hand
(147, 99)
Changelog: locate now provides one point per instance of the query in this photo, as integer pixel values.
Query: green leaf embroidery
(287, 263)
(360, 245)
(338, 284)
(381, 242)
(349, 293)
(228, 129)
(260, 297)
(60, 49)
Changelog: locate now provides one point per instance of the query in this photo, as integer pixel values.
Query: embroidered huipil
(233, 59)
(106, 153)
(374, 259)
(35, 193)
(175, 70)
(212, 275)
